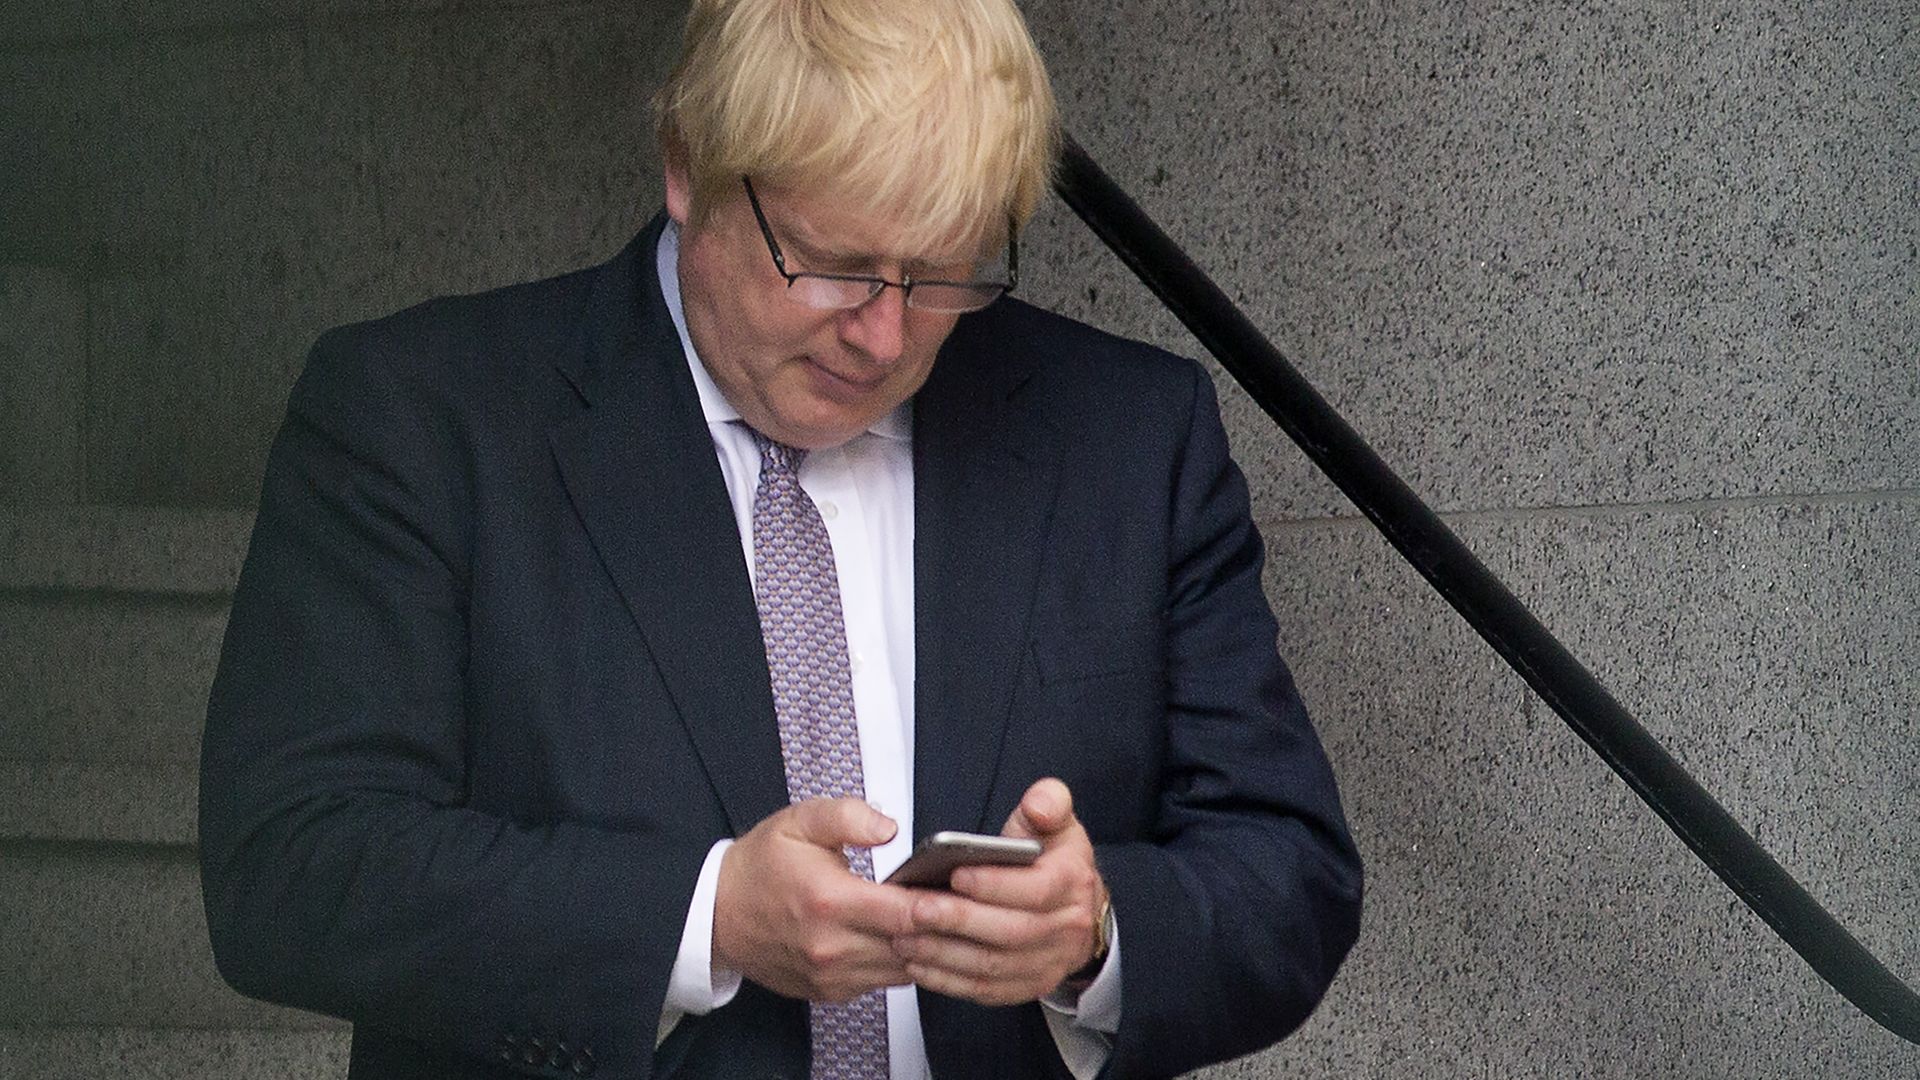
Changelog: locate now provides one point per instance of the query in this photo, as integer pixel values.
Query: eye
(824, 262)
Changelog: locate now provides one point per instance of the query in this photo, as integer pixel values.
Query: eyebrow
(827, 253)
(830, 260)
(831, 256)
(852, 262)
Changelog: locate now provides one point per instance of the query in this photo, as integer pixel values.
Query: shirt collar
(895, 424)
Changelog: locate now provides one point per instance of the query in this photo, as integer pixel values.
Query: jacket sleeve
(343, 870)
(1240, 907)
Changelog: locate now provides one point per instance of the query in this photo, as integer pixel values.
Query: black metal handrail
(1426, 542)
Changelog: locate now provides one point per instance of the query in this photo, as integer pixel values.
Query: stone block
(1614, 254)
(165, 551)
(108, 803)
(43, 375)
(1527, 915)
(170, 1054)
(111, 937)
(234, 14)
(169, 420)
(61, 23)
(101, 24)
(229, 196)
(106, 680)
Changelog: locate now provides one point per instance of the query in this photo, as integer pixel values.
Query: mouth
(855, 384)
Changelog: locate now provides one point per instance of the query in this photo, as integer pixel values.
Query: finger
(858, 964)
(949, 916)
(976, 988)
(1040, 887)
(837, 823)
(843, 966)
(972, 960)
(882, 912)
(1045, 810)
(1065, 873)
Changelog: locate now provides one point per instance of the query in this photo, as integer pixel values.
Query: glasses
(831, 292)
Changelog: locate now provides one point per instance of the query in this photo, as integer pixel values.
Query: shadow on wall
(200, 195)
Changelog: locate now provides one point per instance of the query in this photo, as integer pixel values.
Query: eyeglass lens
(834, 292)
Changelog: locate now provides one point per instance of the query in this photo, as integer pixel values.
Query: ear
(679, 185)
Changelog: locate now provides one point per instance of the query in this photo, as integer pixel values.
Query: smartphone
(936, 858)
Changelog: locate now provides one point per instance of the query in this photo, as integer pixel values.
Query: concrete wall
(191, 191)
(1627, 289)
(220, 181)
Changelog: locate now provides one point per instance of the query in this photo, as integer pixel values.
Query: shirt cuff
(695, 986)
(1083, 1024)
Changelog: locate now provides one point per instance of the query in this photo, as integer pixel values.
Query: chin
(816, 439)
(828, 423)
(815, 434)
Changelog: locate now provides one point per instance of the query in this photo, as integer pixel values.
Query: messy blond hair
(935, 115)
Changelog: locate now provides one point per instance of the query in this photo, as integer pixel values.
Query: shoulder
(1085, 378)
(453, 341)
(441, 396)
(1015, 330)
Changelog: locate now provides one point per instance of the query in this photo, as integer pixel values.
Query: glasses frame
(877, 284)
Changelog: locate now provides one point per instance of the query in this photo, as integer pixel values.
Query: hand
(788, 915)
(1006, 935)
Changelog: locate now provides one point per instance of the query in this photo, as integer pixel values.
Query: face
(805, 377)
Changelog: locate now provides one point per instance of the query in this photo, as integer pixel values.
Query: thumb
(838, 823)
(1045, 809)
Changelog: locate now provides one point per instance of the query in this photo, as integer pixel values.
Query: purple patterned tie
(798, 593)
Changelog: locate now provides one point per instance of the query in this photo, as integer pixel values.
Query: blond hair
(934, 115)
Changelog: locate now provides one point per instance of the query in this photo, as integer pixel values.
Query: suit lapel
(638, 464)
(984, 476)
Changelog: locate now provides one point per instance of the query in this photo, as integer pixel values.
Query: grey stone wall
(1628, 290)
(191, 192)
(222, 181)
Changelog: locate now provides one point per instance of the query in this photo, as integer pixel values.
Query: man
(594, 630)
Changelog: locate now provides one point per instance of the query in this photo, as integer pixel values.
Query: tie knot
(777, 456)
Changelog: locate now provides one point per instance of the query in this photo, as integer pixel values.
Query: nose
(877, 327)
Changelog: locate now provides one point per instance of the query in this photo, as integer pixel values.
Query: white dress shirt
(864, 490)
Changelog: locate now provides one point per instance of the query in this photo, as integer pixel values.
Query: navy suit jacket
(493, 685)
